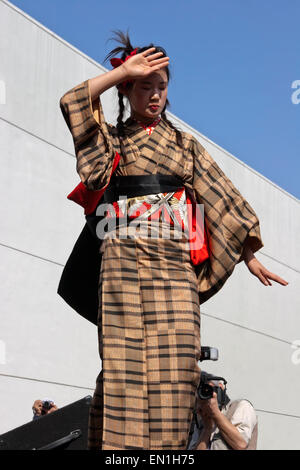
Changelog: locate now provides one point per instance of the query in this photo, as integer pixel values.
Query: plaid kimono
(149, 291)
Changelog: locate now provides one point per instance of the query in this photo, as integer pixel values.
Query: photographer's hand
(210, 413)
(37, 407)
(229, 432)
(209, 408)
(53, 408)
(205, 408)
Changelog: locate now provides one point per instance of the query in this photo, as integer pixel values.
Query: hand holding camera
(209, 408)
(48, 407)
(43, 407)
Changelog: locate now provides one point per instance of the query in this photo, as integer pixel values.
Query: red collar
(150, 127)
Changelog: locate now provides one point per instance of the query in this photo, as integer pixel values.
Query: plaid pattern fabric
(229, 220)
(149, 292)
(149, 336)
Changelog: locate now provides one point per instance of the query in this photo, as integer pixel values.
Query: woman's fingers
(147, 51)
(276, 278)
(263, 274)
(268, 275)
(157, 65)
(155, 61)
(153, 56)
(156, 58)
(263, 279)
(160, 61)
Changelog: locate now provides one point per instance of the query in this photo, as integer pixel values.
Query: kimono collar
(133, 126)
(150, 127)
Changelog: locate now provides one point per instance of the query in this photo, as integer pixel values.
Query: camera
(205, 390)
(46, 406)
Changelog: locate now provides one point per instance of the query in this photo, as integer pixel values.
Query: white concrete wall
(47, 350)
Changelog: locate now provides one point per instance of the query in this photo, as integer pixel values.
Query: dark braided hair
(120, 123)
(126, 48)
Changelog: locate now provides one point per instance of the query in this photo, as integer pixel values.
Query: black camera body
(46, 406)
(205, 390)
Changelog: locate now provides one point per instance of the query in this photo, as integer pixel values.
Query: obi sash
(155, 197)
(78, 285)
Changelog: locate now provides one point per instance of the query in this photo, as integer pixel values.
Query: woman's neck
(144, 120)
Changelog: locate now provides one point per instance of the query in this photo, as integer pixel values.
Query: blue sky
(233, 63)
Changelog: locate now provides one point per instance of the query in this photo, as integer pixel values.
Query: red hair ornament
(116, 62)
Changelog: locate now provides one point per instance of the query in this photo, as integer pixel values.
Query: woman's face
(148, 95)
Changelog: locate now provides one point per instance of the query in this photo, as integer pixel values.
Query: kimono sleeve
(95, 141)
(230, 222)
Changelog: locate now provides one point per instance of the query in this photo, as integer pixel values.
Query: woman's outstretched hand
(258, 270)
(144, 63)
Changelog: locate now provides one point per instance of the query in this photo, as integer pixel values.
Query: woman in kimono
(150, 288)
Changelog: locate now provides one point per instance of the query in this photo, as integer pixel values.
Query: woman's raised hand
(143, 64)
(138, 66)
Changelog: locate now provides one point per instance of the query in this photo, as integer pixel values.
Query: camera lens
(205, 391)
